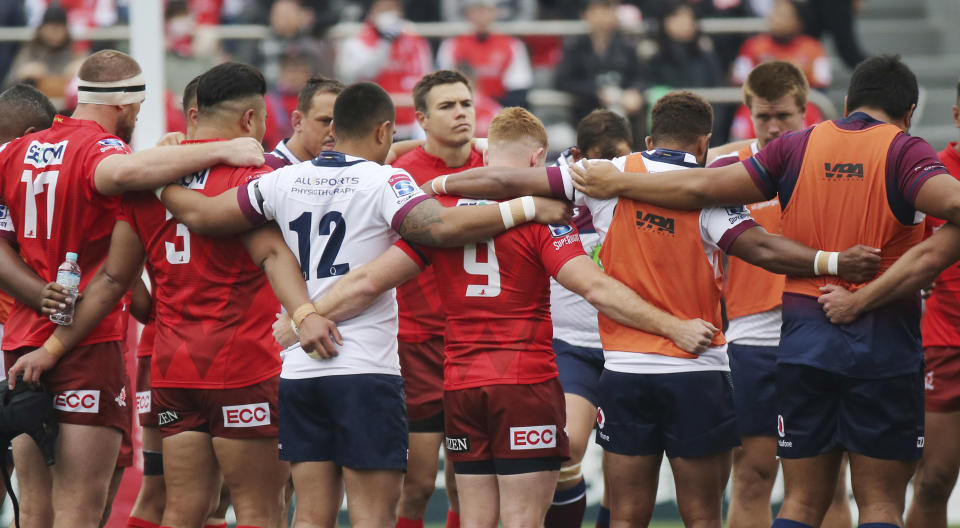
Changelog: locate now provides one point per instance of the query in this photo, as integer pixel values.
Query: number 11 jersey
(338, 212)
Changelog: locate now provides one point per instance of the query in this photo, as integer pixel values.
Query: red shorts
(148, 418)
(89, 385)
(942, 380)
(421, 365)
(245, 412)
(502, 423)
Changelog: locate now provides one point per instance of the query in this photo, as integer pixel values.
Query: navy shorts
(819, 410)
(754, 373)
(358, 421)
(580, 369)
(685, 414)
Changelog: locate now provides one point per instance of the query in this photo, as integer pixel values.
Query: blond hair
(515, 124)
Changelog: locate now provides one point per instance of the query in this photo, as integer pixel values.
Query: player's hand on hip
(319, 337)
(55, 298)
(595, 178)
(283, 332)
(243, 152)
(858, 263)
(839, 304)
(171, 139)
(550, 211)
(31, 365)
(693, 335)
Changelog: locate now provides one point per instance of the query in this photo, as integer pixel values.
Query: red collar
(196, 141)
(62, 121)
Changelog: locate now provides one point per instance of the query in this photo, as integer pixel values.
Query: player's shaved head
(189, 99)
(602, 134)
(360, 109)
(227, 84)
(775, 79)
(883, 82)
(108, 66)
(24, 109)
(680, 118)
(517, 138)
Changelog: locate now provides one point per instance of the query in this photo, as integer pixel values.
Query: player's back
(214, 306)
(48, 187)
(338, 212)
(496, 296)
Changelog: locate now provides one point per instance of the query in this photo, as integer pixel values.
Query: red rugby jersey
(496, 296)
(213, 306)
(47, 185)
(421, 311)
(941, 321)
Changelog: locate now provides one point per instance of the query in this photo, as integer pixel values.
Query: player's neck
(452, 155)
(359, 150)
(210, 131)
(101, 115)
(875, 113)
(295, 146)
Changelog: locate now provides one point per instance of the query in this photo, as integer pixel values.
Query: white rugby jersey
(714, 224)
(338, 212)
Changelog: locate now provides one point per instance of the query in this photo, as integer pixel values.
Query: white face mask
(180, 27)
(387, 18)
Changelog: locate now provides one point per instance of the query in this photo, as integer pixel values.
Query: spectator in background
(601, 69)
(500, 64)
(48, 61)
(291, 32)
(283, 96)
(785, 42)
(388, 53)
(453, 10)
(684, 58)
(12, 14)
(186, 56)
(836, 17)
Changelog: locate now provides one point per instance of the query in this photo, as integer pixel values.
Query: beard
(125, 130)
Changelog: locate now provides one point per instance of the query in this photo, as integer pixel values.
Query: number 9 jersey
(338, 212)
(48, 188)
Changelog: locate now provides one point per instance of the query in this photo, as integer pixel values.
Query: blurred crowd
(633, 50)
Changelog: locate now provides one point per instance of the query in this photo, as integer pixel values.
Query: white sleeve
(519, 74)
(397, 196)
(262, 195)
(7, 230)
(718, 221)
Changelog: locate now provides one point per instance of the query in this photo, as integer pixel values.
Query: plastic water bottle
(68, 276)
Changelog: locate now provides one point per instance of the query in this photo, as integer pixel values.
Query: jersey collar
(438, 161)
(673, 157)
(60, 121)
(284, 152)
(332, 158)
(196, 141)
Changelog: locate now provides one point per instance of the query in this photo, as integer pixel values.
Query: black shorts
(754, 372)
(580, 369)
(819, 410)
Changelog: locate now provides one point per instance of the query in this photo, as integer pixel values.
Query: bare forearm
(141, 303)
(431, 224)
(206, 215)
(154, 167)
(348, 297)
(495, 183)
(101, 295)
(676, 192)
(778, 254)
(18, 279)
(283, 272)
(624, 306)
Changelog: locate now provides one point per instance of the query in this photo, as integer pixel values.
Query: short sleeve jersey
(421, 313)
(338, 212)
(719, 228)
(213, 306)
(496, 296)
(941, 320)
(48, 187)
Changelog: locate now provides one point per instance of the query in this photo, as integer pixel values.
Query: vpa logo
(838, 171)
(654, 222)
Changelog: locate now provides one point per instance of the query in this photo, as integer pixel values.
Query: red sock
(134, 522)
(409, 523)
(453, 519)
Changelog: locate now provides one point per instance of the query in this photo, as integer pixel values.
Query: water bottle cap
(72, 257)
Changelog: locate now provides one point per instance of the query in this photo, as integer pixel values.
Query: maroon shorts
(89, 385)
(942, 380)
(245, 412)
(506, 429)
(421, 365)
(148, 418)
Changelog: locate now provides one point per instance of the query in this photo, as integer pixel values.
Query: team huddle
(469, 297)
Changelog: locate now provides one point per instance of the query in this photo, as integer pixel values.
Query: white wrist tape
(159, 191)
(529, 207)
(833, 263)
(506, 215)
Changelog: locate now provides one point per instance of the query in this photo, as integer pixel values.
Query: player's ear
(246, 120)
(192, 115)
(32, 129)
(421, 119)
(383, 133)
(846, 111)
(907, 119)
(649, 142)
(703, 144)
(296, 118)
(576, 154)
(538, 157)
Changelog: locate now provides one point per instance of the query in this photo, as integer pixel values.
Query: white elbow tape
(506, 215)
(834, 263)
(529, 207)
(159, 191)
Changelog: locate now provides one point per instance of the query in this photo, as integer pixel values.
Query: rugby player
(444, 104)
(694, 390)
(311, 121)
(60, 186)
(496, 307)
(857, 387)
(602, 134)
(775, 93)
(344, 420)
